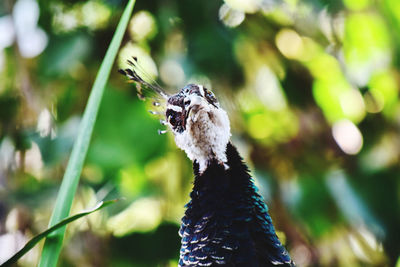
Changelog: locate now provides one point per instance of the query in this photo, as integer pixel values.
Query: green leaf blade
(36, 239)
(52, 246)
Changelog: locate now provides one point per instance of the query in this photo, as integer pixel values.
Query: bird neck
(231, 176)
(226, 219)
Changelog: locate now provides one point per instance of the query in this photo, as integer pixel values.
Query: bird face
(200, 126)
(190, 100)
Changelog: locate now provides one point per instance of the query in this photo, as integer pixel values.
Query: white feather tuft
(207, 133)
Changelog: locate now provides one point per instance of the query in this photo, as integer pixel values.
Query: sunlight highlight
(144, 60)
(249, 6)
(142, 26)
(289, 43)
(230, 17)
(269, 89)
(171, 73)
(347, 136)
(136, 217)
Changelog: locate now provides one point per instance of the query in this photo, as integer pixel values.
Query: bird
(226, 222)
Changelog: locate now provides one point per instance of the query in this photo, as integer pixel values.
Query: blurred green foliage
(311, 88)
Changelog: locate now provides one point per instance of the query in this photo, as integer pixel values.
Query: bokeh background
(311, 88)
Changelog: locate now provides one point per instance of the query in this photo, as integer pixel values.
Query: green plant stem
(52, 246)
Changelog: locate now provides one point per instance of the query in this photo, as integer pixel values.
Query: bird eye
(187, 102)
(172, 120)
(210, 96)
(172, 117)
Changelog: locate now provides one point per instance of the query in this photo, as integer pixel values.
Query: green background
(311, 88)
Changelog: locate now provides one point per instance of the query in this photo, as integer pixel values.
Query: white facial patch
(207, 132)
(201, 89)
(174, 108)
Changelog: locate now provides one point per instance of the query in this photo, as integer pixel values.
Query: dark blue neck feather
(226, 222)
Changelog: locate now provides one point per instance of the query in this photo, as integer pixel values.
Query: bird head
(200, 126)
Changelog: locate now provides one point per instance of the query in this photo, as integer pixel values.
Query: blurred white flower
(142, 26)
(7, 31)
(33, 162)
(97, 14)
(25, 15)
(31, 39)
(230, 17)
(347, 136)
(171, 73)
(249, 6)
(45, 124)
(6, 154)
(32, 43)
(10, 243)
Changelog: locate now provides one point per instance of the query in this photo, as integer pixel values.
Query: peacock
(226, 222)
